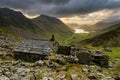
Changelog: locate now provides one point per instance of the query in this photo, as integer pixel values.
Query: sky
(70, 11)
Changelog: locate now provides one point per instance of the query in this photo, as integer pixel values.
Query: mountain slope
(110, 38)
(14, 22)
(51, 25)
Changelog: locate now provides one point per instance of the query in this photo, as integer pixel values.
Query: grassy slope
(114, 57)
(51, 25)
(110, 37)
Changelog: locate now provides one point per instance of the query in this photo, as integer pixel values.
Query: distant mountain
(104, 24)
(42, 27)
(109, 38)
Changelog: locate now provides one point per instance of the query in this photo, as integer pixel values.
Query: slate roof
(34, 46)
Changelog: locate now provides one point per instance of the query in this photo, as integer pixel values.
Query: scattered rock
(16, 62)
(4, 78)
(15, 77)
(86, 71)
(110, 64)
(30, 77)
(61, 75)
(108, 78)
(92, 76)
(108, 49)
(40, 63)
(100, 75)
(74, 76)
(45, 78)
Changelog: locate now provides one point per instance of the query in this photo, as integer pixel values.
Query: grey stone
(20, 70)
(15, 77)
(110, 64)
(61, 75)
(74, 76)
(8, 74)
(92, 76)
(85, 70)
(108, 49)
(108, 78)
(50, 78)
(45, 78)
(100, 75)
(16, 62)
(4, 78)
(29, 77)
(40, 63)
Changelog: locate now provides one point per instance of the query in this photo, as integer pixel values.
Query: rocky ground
(55, 67)
(51, 70)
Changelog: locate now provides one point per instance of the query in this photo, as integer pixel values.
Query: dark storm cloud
(86, 6)
(54, 1)
(60, 7)
(17, 4)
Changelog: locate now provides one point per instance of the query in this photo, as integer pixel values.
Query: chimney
(52, 38)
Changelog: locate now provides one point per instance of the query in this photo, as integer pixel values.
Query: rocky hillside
(111, 37)
(15, 23)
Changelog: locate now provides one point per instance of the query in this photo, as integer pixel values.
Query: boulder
(108, 49)
(100, 58)
(84, 57)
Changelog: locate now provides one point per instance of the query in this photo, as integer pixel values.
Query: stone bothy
(33, 50)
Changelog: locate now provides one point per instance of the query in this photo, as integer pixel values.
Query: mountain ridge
(16, 23)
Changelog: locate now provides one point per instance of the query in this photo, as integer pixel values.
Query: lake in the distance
(80, 31)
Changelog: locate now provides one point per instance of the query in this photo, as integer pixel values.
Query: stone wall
(29, 57)
(65, 50)
(101, 60)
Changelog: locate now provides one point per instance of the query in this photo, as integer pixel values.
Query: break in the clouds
(60, 7)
